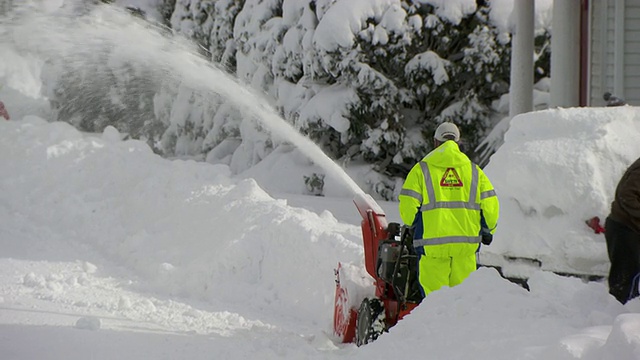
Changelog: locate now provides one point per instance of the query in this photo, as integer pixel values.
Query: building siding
(603, 57)
(632, 52)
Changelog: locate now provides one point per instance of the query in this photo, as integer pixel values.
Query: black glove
(487, 238)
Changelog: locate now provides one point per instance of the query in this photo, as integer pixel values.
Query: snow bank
(185, 228)
(489, 318)
(556, 169)
(102, 234)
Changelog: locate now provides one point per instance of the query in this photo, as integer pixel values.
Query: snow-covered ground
(109, 251)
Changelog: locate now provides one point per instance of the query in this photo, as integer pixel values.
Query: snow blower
(391, 260)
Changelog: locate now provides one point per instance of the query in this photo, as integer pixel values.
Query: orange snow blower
(391, 260)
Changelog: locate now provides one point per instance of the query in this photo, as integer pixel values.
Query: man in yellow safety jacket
(452, 207)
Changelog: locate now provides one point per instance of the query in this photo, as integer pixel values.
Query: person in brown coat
(623, 236)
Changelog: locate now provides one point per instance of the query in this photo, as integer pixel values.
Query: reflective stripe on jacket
(444, 197)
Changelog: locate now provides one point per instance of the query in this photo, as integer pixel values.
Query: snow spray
(60, 34)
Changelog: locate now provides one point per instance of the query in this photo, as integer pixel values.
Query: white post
(521, 89)
(565, 54)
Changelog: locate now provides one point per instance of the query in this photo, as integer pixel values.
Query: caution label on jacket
(451, 178)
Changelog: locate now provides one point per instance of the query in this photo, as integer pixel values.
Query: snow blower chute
(391, 261)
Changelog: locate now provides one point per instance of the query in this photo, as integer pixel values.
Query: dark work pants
(623, 246)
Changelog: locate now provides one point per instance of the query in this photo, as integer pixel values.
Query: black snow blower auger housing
(391, 260)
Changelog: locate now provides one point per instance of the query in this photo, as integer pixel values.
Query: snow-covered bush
(314, 184)
(104, 91)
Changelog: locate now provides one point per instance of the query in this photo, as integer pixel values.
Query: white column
(565, 54)
(521, 89)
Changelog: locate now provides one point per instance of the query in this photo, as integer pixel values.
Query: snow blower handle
(406, 242)
(407, 236)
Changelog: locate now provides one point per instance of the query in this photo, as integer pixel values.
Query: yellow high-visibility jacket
(444, 197)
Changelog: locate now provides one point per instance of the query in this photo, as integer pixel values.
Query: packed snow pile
(556, 169)
(185, 228)
(181, 258)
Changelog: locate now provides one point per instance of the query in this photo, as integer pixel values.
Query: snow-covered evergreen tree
(105, 91)
(367, 80)
(373, 85)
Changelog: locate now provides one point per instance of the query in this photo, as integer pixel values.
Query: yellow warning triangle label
(451, 178)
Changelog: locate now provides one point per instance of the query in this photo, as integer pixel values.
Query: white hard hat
(447, 129)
